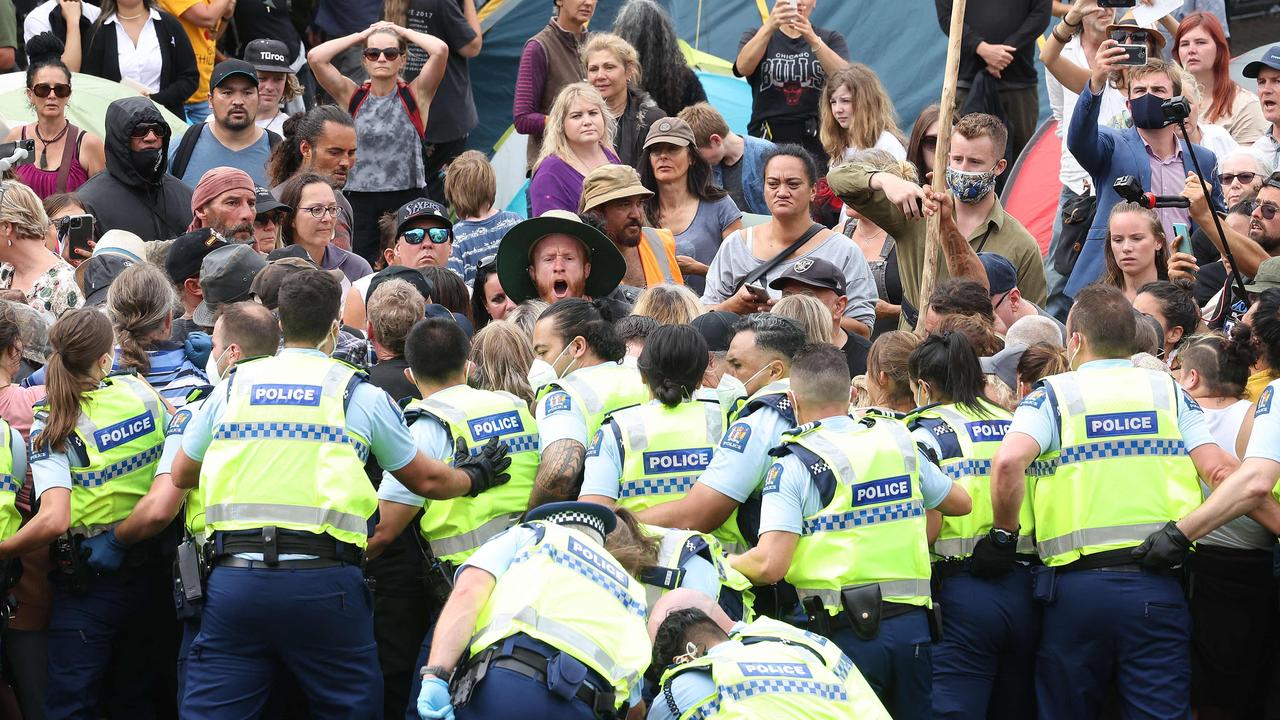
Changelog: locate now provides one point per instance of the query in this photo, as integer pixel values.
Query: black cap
(227, 68)
(226, 275)
(187, 252)
(97, 274)
(814, 272)
(716, 328)
(420, 208)
(267, 55)
(400, 272)
(266, 202)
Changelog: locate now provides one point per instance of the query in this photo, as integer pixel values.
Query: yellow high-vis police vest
(282, 455)
(663, 449)
(567, 591)
(456, 528)
(1122, 472)
(611, 386)
(971, 440)
(775, 395)
(765, 680)
(872, 529)
(10, 519)
(119, 438)
(675, 548)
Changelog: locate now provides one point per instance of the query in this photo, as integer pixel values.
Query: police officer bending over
(542, 623)
(1117, 451)
(278, 451)
(843, 520)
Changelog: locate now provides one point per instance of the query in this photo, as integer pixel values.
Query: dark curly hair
(681, 627)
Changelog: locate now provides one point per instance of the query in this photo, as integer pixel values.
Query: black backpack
(187, 145)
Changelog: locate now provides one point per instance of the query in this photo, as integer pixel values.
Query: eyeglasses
(1003, 297)
(275, 217)
(1245, 178)
(42, 90)
(1136, 36)
(439, 236)
(141, 130)
(371, 54)
(319, 211)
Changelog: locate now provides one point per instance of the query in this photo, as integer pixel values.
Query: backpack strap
(411, 106)
(357, 99)
(186, 146)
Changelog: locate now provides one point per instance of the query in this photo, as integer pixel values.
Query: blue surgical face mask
(971, 187)
(1148, 112)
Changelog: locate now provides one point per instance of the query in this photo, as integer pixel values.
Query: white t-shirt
(37, 20)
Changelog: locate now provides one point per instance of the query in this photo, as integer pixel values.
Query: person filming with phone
(1150, 150)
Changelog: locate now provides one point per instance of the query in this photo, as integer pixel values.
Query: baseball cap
(266, 202)
(1270, 59)
(96, 274)
(670, 130)
(440, 311)
(1002, 276)
(266, 284)
(121, 242)
(400, 272)
(227, 68)
(1267, 277)
(814, 272)
(267, 55)
(611, 182)
(716, 328)
(1004, 364)
(420, 208)
(226, 276)
(188, 251)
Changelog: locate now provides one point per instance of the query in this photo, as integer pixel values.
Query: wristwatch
(434, 671)
(1003, 537)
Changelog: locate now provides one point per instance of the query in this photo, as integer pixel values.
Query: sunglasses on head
(1134, 36)
(439, 236)
(42, 90)
(141, 130)
(371, 54)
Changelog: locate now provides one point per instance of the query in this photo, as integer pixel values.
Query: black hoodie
(122, 197)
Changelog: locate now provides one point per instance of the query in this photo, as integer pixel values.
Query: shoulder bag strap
(69, 151)
(764, 268)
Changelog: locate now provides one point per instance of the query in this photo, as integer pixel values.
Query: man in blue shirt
(232, 137)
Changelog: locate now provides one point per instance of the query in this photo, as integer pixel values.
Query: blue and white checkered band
(580, 518)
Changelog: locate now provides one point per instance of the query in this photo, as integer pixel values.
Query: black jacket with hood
(123, 197)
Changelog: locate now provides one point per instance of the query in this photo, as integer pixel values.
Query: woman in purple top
(310, 226)
(579, 139)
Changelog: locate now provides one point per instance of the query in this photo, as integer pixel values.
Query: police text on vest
(483, 428)
(122, 432)
(1117, 424)
(758, 669)
(691, 460)
(285, 395)
(882, 491)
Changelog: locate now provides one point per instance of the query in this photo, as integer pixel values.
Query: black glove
(993, 558)
(1163, 550)
(486, 469)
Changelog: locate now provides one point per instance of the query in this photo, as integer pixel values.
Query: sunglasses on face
(42, 90)
(275, 217)
(439, 236)
(1266, 210)
(1137, 36)
(1245, 178)
(141, 130)
(371, 54)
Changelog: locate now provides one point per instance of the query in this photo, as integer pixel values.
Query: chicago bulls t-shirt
(789, 78)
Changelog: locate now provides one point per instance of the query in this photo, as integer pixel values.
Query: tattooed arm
(559, 473)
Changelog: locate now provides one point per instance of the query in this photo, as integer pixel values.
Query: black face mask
(147, 163)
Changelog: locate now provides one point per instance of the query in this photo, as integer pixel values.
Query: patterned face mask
(971, 187)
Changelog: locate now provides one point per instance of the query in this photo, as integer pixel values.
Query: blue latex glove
(434, 702)
(197, 348)
(106, 554)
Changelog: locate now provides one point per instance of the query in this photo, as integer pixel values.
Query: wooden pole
(940, 158)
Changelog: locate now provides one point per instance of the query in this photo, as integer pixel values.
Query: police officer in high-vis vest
(760, 356)
(94, 446)
(576, 346)
(278, 452)
(843, 520)
(437, 350)
(243, 331)
(649, 454)
(708, 673)
(543, 623)
(1115, 450)
(983, 666)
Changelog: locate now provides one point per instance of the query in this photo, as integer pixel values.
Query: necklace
(44, 151)
(132, 17)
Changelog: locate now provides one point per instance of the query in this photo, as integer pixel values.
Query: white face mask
(541, 374)
(752, 378)
(211, 368)
(730, 390)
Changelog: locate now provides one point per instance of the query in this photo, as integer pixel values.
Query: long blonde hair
(20, 207)
(554, 141)
(873, 112)
(502, 356)
(139, 302)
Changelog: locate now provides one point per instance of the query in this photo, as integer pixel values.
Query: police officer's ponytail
(592, 321)
(672, 363)
(79, 339)
(948, 363)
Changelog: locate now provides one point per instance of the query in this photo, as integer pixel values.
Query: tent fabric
(1032, 190)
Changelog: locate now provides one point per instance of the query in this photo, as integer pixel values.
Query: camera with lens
(1176, 109)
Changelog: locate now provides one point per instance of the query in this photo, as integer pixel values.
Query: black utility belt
(943, 569)
(272, 542)
(532, 665)
(1120, 560)
(236, 562)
